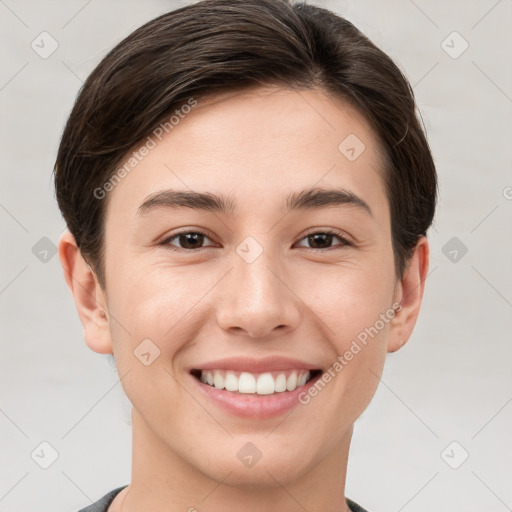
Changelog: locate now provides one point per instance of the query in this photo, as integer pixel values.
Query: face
(257, 282)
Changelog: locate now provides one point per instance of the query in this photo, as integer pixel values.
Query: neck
(163, 482)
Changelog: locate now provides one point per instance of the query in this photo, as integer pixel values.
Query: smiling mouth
(248, 383)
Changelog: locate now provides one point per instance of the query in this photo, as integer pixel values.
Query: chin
(259, 479)
(272, 470)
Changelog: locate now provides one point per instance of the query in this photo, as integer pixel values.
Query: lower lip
(255, 406)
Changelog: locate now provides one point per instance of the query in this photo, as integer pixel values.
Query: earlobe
(88, 296)
(409, 294)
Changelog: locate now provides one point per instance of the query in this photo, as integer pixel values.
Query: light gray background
(451, 382)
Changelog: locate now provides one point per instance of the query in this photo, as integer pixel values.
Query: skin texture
(256, 146)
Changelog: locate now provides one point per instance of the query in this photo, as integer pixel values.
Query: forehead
(260, 145)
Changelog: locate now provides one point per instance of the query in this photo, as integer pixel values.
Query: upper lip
(253, 365)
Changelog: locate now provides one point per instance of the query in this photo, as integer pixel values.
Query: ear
(89, 298)
(409, 292)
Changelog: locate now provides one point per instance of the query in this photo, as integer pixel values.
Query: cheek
(149, 327)
(351, 310)
(153, 302)
(349, 300)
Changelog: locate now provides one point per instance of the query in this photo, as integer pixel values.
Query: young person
(247, 191)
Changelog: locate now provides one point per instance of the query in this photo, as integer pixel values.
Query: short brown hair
(216, 45)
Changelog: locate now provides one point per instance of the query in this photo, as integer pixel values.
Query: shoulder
(354, 507)
(102, 504)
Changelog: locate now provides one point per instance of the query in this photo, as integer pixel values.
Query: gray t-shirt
(103, 504)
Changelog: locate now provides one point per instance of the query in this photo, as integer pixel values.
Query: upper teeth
(262, 384)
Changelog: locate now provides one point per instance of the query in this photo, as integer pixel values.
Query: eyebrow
(313, 198)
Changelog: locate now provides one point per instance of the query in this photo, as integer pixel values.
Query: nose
(258, 300)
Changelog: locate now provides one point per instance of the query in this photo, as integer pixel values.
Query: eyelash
(338, 234)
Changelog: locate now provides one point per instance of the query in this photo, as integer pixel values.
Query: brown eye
(323, 240)
(320, 240)
(187, 240)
